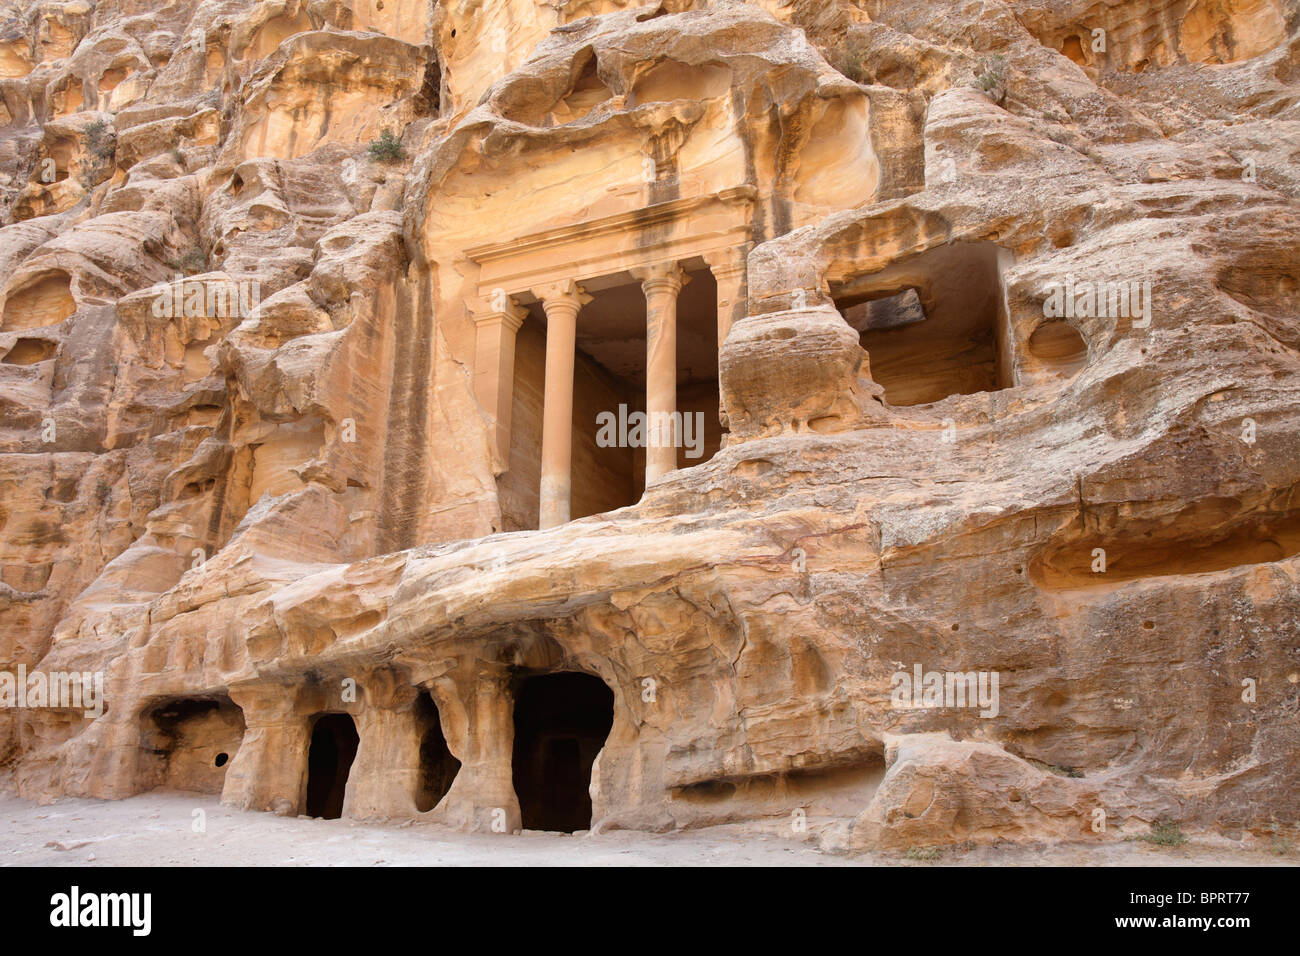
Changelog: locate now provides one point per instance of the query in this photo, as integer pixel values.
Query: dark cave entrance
(333, 747)
(561, 722)
(438, 767)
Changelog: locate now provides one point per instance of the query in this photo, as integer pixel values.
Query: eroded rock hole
(30, 352)
(1259, 538)
(44, 301)
(109, 79)
(438, 767)
(1057, 347)
(933, 325)
(275, 31)
(333, 747)
(1073, 48)
(430, 98)
(187, 743)
(671, 80)
(561, 722)
(587, 92)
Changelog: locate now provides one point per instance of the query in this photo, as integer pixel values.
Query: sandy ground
(156, 829)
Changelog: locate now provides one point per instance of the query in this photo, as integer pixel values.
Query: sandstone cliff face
(990, 314)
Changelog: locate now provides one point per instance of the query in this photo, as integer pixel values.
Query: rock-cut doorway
(561, 722)
(333, 747)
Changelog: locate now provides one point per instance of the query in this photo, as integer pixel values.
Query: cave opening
(46, 300)
(333, 747)
(30, 351)
(438, 766)
(189, 742)
(561, 722)
(934, 325)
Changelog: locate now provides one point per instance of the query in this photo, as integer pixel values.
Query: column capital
(662, 277)
(498, 308)
(564, 294)
(729, 261)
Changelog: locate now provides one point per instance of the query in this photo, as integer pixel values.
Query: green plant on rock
(1165, 833)
(923, 853)
(1055, 768)
(99, 153)
(851, 58)
(387, 149)
(98, 140)
(992, 78)
(194, 261)
(1281, 845)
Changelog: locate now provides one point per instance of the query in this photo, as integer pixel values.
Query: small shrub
(98, 141)
(99, 151)
(1165, 833)
(851, 62)
(1057, 769)
(195, 261)
(992, 78)
(853, 70)
(922, 853)
(1281, 845)
(387, 149)
(191, 263)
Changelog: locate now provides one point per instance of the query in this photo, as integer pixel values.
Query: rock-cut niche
(933, 325)
(188, 743)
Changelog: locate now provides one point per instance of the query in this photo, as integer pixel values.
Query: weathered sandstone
(310, 310)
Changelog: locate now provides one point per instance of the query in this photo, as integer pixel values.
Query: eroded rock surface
(287, 292)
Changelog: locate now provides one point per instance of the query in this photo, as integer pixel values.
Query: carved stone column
(661, 285)
(269, 771)
(562, 302)
(728, 268)
(494, 370)
(386, 770)
(477, 707)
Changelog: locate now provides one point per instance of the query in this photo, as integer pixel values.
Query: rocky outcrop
(989, 320)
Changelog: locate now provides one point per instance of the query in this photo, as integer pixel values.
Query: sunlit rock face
(333, 336)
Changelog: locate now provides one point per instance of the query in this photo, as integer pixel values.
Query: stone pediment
(674, 230)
